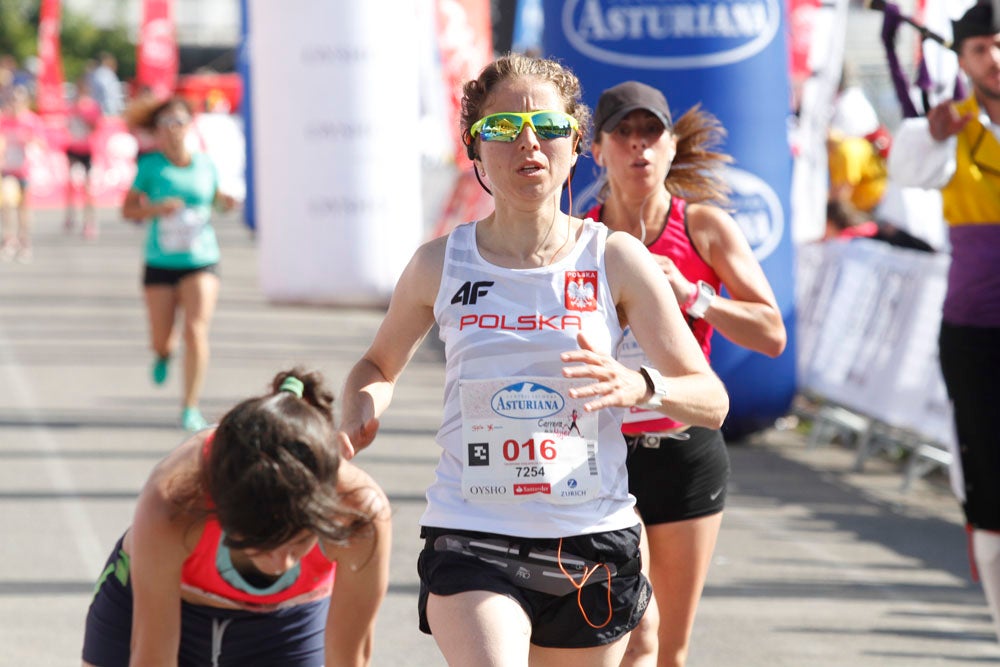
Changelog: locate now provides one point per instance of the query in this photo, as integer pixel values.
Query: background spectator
(83, 117)
(20, 131)
(106, 87)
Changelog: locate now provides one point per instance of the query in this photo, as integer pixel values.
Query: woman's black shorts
(79, 158)
(154, 275)
(680, 480)
(557, 621)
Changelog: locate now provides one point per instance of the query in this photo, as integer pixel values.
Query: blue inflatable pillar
(730, 56)
(243, 67)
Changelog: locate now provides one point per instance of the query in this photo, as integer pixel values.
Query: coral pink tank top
(209, 572)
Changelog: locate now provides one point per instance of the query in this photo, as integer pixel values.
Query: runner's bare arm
(646, 303)
(137, 206)
(157, 553)
(362, 574)
(369, 387)
(750, 317)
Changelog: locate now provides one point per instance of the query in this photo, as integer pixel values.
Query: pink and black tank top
(674, 242)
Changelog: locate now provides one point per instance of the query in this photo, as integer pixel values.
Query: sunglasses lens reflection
(171, 123)
(501, 127)
(551, 126)
(507, 126)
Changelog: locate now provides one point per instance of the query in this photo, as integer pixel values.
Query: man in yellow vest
(956, 149)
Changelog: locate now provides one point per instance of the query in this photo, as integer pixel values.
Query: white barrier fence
(867, 327)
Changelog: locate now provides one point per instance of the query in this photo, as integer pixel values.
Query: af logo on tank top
(526, 438)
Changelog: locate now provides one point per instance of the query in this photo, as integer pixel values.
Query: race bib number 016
(526, 439)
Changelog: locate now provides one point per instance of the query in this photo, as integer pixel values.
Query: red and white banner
(49, 95)
(112, 166)
(113, 162)
(801, 17)
(156, 55)
(465, 39)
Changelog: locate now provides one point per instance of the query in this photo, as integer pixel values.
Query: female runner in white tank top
(531, 544)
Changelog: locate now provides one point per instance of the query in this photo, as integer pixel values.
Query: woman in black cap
(664, 186)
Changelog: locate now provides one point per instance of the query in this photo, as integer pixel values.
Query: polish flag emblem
(581, 290)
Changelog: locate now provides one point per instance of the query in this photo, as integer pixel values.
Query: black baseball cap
(618, 101)
(977, 22)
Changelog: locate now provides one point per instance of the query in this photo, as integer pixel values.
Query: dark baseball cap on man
(977, 22)
(618, 101)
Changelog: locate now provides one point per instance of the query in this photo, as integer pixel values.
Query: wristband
(703, 296)
(691, 299)
(657, 387)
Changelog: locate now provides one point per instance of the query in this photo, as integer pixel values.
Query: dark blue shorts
(292, 637)
(557, 621)
(680, 480)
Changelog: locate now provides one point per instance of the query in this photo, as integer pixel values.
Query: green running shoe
(192, 420)
(160, 368)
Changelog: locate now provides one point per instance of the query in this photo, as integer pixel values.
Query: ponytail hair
(272, 467)
(696, 173)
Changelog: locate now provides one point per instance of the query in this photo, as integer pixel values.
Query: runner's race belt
(544, 570)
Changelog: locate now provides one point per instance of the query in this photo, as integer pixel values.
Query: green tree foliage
(80, 39)
(18, 28)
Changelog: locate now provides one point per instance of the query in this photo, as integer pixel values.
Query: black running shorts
(557, 621)
(680, 480)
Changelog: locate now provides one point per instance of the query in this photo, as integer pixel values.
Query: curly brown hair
(144, 113)
(476, 93)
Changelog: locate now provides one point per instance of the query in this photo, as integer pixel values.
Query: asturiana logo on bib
(758, 211)
(527, 400)
(670, 34)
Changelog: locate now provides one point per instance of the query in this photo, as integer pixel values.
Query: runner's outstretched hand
(353, 440)
(614, 386)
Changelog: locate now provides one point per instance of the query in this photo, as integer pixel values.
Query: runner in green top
(175, 189)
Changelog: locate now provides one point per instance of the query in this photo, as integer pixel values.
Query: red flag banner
(465, 39)
(801, 18)
(49, 98)
(156, 56)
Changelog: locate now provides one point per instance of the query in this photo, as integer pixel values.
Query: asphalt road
(816, 565)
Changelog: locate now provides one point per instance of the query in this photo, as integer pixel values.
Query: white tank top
(500, 323)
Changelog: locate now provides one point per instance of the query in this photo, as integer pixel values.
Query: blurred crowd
(24, 135)
(864, 200)
(64, 158)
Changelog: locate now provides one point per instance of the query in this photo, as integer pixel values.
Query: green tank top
(185, 239)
